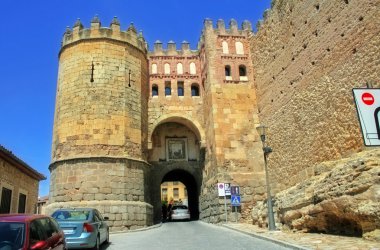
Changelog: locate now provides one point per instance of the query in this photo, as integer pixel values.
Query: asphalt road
(187, 235)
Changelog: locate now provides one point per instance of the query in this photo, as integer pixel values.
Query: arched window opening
(168, 89)
(154, 68)
(243, 73)
(194, 89)
(154, 90)
(239, 48)
(225, 47)
(167, 68)
(179, 69)
(180, 89)
(227, 72)
(193, 69)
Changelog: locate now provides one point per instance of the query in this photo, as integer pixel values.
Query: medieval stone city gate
(128, 119)
(170, 134)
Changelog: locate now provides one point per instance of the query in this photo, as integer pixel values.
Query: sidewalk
(299, 240)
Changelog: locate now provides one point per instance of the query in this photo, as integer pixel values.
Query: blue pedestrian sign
(235, 200)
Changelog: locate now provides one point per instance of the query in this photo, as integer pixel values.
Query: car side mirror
(106, 218)
(39, 245)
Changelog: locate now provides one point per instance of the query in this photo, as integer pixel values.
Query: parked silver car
(83, 227)
(179, 212)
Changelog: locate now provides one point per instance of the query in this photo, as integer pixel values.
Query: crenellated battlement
(171, 50)
(96, 31)
(232, 29)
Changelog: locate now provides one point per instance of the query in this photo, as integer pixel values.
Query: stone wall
(307, 57)
(122, 215)
(341, 198)
(20, 183)
(116, 182)
(233, 149)
(102, 91)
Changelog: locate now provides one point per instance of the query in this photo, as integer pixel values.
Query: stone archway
(190, 174)
(176, 153)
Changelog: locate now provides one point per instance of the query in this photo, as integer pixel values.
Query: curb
(279, 242)
(138, 229)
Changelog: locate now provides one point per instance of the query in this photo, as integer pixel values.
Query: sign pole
(225, 206)
(236, 215)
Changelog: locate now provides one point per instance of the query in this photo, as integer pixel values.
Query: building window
(185, 191)
(180, 89)
(243, 73)
(154, 90)
(154, 68)
(179, 69)
(194, 89)
(227, 72)
(164, 194)
(21, 203)
(225, 47)
(168, 89)
(167, 68)
(175, 192)
(239, 48)
(6, 199)
(193, 69)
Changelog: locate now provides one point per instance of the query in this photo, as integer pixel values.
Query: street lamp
(262, 132)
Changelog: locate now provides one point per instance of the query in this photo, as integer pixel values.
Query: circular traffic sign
(368, 98)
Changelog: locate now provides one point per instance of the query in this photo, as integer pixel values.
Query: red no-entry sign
(368, 106)
(368, 98)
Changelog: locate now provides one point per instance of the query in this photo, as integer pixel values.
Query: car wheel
(108, 237)
(97, 244)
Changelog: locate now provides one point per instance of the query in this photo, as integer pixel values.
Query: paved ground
(189, 236)
(307, 240)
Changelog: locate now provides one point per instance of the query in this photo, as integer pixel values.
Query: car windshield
(12, 235)
(179, 207)
(71, 215)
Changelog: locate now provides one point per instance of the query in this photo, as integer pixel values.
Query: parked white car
(180, 212)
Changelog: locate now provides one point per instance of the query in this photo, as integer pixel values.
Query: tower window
(180, 89)
(154, 90)
(179, 69)
(193, 69)
(194, 89)
(243, 73)
(167, 68)
(239, 48)
(225, 47)
(242, 70)
(154, 68)
(168, 89)
(227, 72)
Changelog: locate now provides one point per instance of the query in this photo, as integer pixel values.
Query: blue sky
(30, 42)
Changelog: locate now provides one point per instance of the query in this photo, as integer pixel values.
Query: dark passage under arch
(192, 190)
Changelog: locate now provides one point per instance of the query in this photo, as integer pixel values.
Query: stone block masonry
(307, 56)
(115, 186)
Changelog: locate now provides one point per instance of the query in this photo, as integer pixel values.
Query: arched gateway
(176, 155)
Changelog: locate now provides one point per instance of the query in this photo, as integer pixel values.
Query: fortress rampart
(79, 33)
(307, 56)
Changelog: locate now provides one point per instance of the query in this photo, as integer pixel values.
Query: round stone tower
(100, 125)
